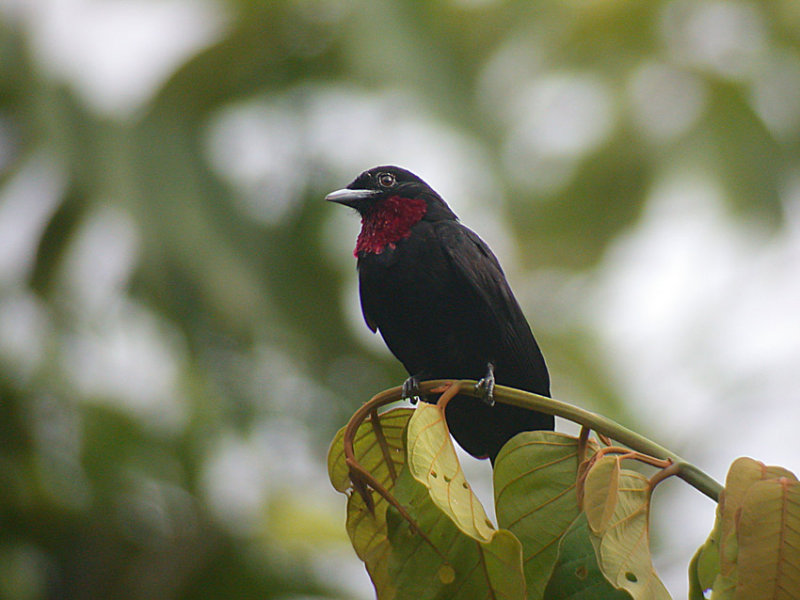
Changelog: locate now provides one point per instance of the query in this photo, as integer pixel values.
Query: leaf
(743, 473)
(367, 449)
(447, 562)
(704, 567)
(753, 551)
(434, 463)
(434, 558)
(369, 538)
(535, 498)
(601, 492)
(769, 541)
(623, 543)
(367, 530)
(576, 575)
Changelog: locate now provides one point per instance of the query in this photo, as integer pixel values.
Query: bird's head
(369, 192)
(390, 201)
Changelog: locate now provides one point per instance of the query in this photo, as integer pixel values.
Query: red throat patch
(388, 223)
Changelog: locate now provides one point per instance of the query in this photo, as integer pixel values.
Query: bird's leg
(485, 387)
(411, 389)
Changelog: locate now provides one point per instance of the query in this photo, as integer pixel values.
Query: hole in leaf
(581, 572)
(447, 479)
(465, 485)
(631, 577)
(489, 524)
(433, 474)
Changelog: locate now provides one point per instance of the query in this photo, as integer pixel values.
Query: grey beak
(351, 198)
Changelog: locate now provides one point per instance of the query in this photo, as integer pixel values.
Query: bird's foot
(411, 389)
(485, 387)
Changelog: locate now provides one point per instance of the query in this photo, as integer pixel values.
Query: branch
(602, 425)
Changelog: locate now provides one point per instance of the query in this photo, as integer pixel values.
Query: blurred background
(180, 335)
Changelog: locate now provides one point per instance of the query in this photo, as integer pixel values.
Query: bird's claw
(410, 389)
(485, 387)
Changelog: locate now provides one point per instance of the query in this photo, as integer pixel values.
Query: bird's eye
(386, 179)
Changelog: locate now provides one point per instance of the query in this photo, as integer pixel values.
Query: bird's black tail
(482, 430)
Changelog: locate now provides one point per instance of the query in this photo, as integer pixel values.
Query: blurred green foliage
(156, 332)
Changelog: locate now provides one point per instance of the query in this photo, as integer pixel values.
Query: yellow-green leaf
(753, 552)
(601, 490)
(433, 462)
(769, 541)
(367, 448)
(623, 545)
(367, 530)
(743, 473)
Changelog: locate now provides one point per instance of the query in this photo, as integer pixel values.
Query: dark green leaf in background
(576, 575)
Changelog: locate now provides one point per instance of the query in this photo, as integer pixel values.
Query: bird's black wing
(365, 311)
(483, 277)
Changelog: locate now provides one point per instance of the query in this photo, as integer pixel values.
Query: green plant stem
(686, 471)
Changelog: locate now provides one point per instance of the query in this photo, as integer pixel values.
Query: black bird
(443, 306)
